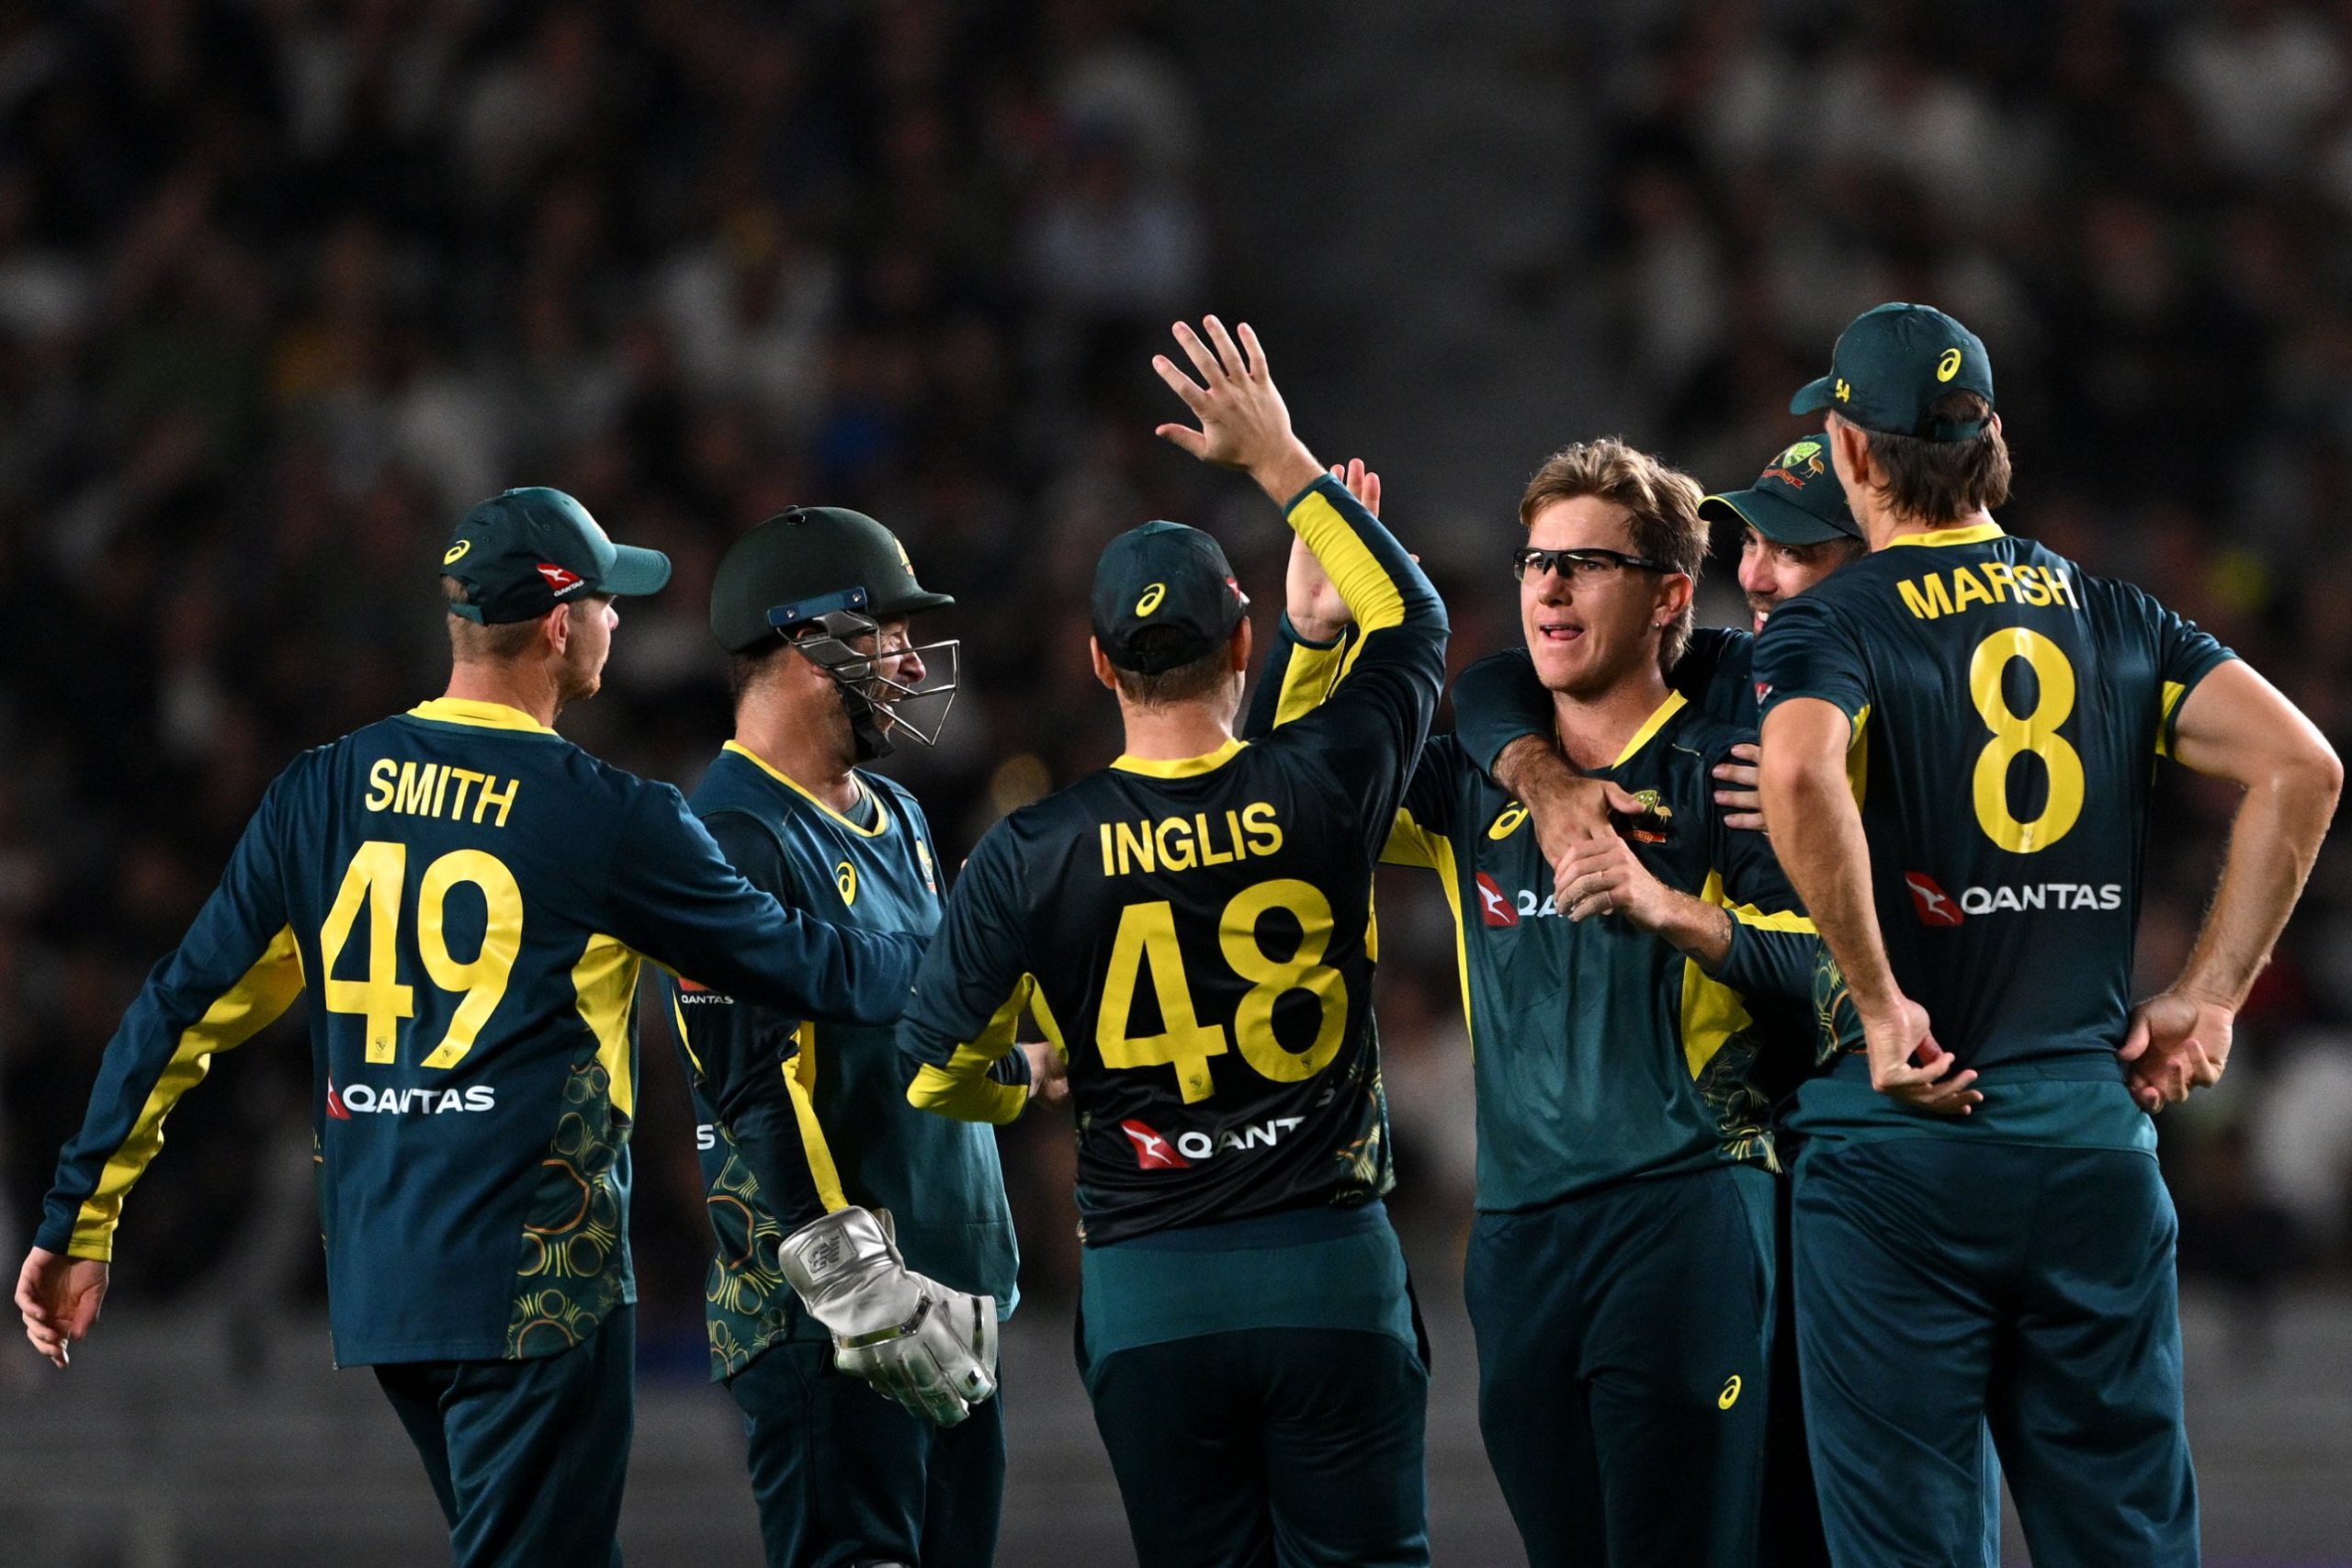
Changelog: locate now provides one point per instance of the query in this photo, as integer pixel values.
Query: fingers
(1211, 372)
(1256, 362)
(1229, 355)
(2136, 1044)
(1184, 436)
(1743, 821)
(1370, 494)
(1618, 799)
(1739, 775)
(1196, 398)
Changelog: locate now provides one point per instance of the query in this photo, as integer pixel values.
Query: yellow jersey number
(377, 878)
(1147, 941)
(2015, 734)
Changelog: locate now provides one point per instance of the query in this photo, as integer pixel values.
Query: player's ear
(1102, 664)
(1849, 451)
(1674, 592)
(1239, 645)
(555, 628)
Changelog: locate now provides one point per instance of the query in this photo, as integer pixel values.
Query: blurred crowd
(286, 285)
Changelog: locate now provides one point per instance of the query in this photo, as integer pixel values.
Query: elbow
(2322, 772)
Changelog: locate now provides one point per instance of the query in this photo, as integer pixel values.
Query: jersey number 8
(2014, 733)
(1147, 939)
(378, 877)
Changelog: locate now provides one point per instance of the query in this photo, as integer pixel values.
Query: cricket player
(1961, 732)
(805, 1135)
(468, 898)
(1622, 1267)
(1796, 529)
(1192, 927)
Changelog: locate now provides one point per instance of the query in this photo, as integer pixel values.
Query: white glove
(930, 1349)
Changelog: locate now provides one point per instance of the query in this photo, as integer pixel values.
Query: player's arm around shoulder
(972, 989)
(2234, 725)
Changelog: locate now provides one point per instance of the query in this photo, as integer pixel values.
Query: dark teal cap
(798, 564)
(524, 551)
(1796, 501)
(1163, 574)
(1893, 361)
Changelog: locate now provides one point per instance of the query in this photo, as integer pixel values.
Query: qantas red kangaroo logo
(1935, 905)
(1152, 1151)
(560, 579)
(1495, 907)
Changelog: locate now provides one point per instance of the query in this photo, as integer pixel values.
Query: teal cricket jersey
(467, 896)
(799, 1116)
(1196, 938)
(1601, 1054)
(2007, 711)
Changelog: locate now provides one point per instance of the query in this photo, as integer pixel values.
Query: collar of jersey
(881, 812)
(481, 716)
(1182, 767)
(1974, 534)
(1673, 704)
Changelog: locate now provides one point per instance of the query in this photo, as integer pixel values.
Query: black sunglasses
(1586, 565)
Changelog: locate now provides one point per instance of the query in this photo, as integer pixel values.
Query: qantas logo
(1937, 908)
(1934, 905)
(692, 993)
(1495, 907)
(560, 579)
(364, 1099)
(1152, 1151)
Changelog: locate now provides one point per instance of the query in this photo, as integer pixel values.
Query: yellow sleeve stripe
(1309, 679)
(605, 982)
(1712, 1011)
(2174, 692)
(260, 995)
(1371, 595)
(961, 1088)
(801, 1083)
(1795, 920)
(1409, 843)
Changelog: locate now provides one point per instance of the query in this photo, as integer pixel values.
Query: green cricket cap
(803, 562)
(1893, 361)
(523, 552)
(1163, 574)
(1796, 501)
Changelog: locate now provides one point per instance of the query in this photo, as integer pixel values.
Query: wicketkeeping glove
(930, 1349)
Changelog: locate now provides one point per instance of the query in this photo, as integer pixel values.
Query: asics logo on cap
(1949, 365)
(1151, 598)
(457, 552)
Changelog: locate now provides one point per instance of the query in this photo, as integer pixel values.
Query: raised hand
(1310, 598)
(1244, 423)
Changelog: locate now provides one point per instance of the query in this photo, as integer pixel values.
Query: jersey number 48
(1147, 939)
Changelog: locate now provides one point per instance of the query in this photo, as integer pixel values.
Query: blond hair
(1663, 504)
